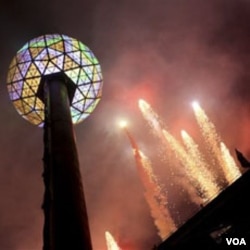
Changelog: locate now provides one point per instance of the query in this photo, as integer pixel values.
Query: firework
(233, 171)
(151, 116)
(188, 164)
(213, 142)
(110, 241)
(207, 180)
(156, 199)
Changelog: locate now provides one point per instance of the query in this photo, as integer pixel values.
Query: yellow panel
(39, 104)
(33, 83)
(13, 63)
(27, 92)
(40, 114)
(10, 75)
(34, 118)
(19, 105)
(27, 108)
(58, 46)
(85, 60)
(69, 63)
(75, 44)
(31, 101)
(73, 74)
(33, 71)
(35, 51)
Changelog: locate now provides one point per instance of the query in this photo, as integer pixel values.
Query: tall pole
(55, 81)
(66, 222)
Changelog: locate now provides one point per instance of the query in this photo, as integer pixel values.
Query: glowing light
(195, 105)
(143, 104)
(49, 54)
(110, 241)
(123, 124)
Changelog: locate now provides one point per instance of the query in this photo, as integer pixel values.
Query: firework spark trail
(151, 117)
(156, 199)
(207, 180)
(157, 126)
(110, 241)
(189, 165)
(154, 196)
(177, 174)
(233, 171)
(213, 141)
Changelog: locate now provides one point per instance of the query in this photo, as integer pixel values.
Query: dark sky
(168, 52)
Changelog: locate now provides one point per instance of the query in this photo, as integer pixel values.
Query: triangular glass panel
(73, 74)
(84, 89)
(53, 53)
(19, 106)
(83, 47)
(78, 105)
(39, 105)
(24, 56)
(51, 68)
(97, 88)
(91, 92)
(58, 61)
(76, 56)
(85, 60)
(59, 46)
(32, 71)
(41, 65)
(83, 78)
(13, 63)
(23, 67)
(37, 42)
(17, 75)
(52, 39)
(87, 103)
(35, 51)
(14, 95)
(43, 55)
(89, 70)
(10, 75)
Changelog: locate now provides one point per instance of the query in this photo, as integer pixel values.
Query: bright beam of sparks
(151, 116)
(206, 178)
(190, 167)
(154, 121)
(155, 198)
(110, 241)
(154, 195)
(213, 141)
(233, 171)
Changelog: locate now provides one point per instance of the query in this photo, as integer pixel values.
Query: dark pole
(66, 221)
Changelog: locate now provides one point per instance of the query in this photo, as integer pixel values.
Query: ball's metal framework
(55, 81)
(46, 55)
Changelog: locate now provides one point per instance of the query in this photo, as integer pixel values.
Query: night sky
(168, 52)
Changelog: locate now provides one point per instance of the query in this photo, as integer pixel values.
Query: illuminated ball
(49, 54)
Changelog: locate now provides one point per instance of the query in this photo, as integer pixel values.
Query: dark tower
(55, 81)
